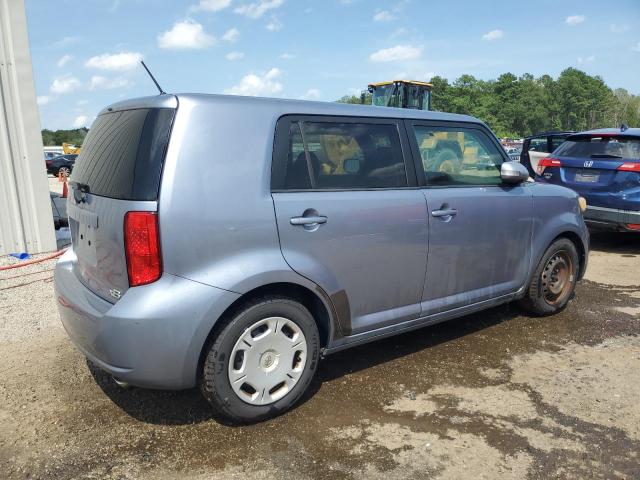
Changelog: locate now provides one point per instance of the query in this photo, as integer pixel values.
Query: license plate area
(83, 225)
(587, 177)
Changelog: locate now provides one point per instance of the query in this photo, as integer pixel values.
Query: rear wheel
(65, 171)
(554, 280)
(261, 361)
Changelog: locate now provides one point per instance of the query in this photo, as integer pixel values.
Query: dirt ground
(494, 395)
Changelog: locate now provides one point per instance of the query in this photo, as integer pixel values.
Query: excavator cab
(401, 94)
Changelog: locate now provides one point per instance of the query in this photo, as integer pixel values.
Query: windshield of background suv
(615, 147)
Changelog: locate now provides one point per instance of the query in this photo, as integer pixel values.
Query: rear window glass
(123, 154)
(627, 148)
(325, 155)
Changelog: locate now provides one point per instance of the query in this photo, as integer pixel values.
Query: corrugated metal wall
(26, 222)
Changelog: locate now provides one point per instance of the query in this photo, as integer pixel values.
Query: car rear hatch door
(599, 162)
(118, 171)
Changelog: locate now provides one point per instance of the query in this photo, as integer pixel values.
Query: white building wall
(26, 223)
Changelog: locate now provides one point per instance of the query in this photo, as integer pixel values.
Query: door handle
(311, 220)
(447, 212)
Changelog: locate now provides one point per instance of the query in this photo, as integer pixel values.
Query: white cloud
(80, 121)
(258, 8)
(234, 56)
(255, 85)
(636, 48)
(231, 35)
(274, 24)
(312, 94)
(493, 35)
(618, 28)
(99, 82)
(383, 16)
(287, 56)
(81, 103)
(575, 19)
(397, 53)
(64, 60)
(66, 84)
(211, 5)
(185, 35)
(43, 99)
(115, 61)
(589, 59)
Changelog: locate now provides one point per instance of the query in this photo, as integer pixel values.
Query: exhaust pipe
(121, 383)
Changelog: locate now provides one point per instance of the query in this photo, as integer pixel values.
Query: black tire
(542, 297)
(447, 161)
(215, 383)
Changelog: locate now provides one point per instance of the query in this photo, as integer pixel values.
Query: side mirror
(513, 173)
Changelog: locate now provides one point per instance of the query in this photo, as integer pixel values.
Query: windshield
(382, 96)
(616, 147)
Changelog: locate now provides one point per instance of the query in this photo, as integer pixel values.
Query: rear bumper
(152, 337)
(611, 218)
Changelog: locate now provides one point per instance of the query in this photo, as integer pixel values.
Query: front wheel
(554, 280)
(261, 361)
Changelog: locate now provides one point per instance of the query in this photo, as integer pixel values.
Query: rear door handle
(447, 212)
(313, 220)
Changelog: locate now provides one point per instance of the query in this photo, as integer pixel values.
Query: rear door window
(332, 155)
(539, 145)
(123, 154)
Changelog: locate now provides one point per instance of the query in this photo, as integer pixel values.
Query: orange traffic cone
(65, 189)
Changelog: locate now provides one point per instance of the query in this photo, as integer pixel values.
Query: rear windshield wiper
(604, 155)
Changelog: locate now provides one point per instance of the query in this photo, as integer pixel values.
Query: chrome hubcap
(267, 360)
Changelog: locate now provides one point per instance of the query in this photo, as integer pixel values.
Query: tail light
(633, 226)
(630, 167)
(548, 162)
(142, 247)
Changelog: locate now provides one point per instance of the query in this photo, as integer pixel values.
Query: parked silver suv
(230, 242)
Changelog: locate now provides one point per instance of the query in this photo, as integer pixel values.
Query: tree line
(52, 138)
(519, 106)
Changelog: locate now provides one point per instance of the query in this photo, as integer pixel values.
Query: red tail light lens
(633, 226)
(142, 247)
(548, 162)
(630, 167)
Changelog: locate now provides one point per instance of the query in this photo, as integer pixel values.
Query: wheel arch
(316, 302)
(580, 247)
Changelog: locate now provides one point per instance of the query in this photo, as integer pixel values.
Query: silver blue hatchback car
(231, 242)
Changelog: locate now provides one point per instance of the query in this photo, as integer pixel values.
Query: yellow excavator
(71, 149)
(401, 94)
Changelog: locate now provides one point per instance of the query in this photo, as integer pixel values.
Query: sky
(86, 53)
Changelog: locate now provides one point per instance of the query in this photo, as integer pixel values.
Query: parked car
(538, 146)
(603, 166)
(514, 153)
(310, 228)
(61, 163)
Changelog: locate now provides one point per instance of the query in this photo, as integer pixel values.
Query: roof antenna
(623, 128)
(162, 92)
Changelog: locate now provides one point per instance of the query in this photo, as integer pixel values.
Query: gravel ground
(494, 395)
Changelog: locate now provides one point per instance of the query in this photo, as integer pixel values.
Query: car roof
(632, 132)
(289, 107)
